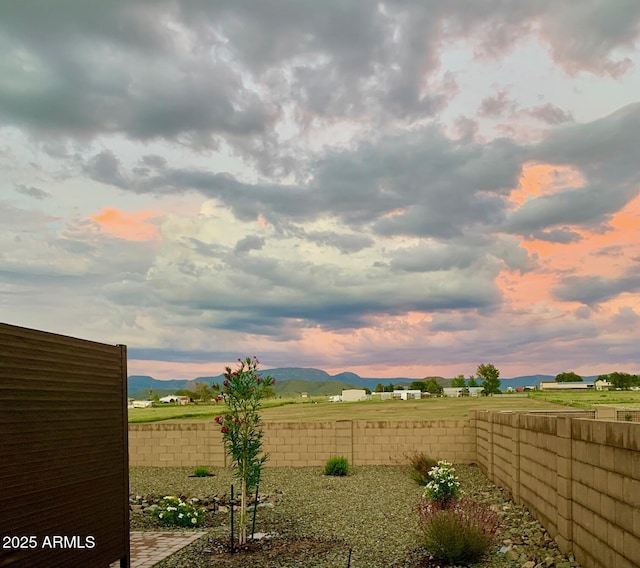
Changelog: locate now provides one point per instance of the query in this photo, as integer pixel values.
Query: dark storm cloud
(562, 236)
(105, 167)
(346, 243)
(31, 191)
(251, 242)
(605, 151)
(429, 258)
(592, 290)
(205, 71)
(431, 184)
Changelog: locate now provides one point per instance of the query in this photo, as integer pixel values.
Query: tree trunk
(242, 539)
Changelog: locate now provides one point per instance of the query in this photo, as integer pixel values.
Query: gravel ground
(316, 520)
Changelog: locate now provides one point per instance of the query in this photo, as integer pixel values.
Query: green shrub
(337, 465)
(421, 464)
(201, 471)
(443, 487)
(173, 512)
(460, 534)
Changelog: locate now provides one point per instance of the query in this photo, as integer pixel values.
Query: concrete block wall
(176, 444)
(605, 490)
(579, 477)
(306, 443)
(394, 442)
(538, 468)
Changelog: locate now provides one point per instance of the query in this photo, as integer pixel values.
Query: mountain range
(293, 380)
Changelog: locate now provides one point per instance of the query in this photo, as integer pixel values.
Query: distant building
(602, 384)
(174, 398)
(354, 395)
(573, 386)
(141, 404)
(456, 391)
(406, 394)
(475, 391)
(304, 395)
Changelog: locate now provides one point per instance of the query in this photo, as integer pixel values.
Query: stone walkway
(149, 548)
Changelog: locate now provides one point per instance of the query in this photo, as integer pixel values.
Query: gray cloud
(497, 105)
(592, 290)
(346, 243)
(31, 191)
(251, 242)
(562, 236)
(604, 151)
(202, 72)
(550, 114)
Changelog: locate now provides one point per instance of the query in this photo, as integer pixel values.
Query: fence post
(564, 507)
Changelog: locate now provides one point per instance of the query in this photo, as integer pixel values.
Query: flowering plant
(242, 391)
(174, 512)
(444, 486)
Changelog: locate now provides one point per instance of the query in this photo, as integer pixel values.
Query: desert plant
(201, 471)
(421, 464)
(460, 534)
(628, 417)
(241, 427)
(443, 487)
(337, 465)
(173, 512)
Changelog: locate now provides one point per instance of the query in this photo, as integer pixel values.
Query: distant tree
(472, 382)
(389, 388)
(622, 381)
(203, 392)
(418, 385)
(568, 377)
(432, 386)
(379, 387)
(458, 381)
(490, 378)
(367, 390)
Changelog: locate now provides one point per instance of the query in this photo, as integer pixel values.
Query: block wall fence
(579, 476)
(305, 443)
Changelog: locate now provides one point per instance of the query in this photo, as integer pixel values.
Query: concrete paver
(149, 548)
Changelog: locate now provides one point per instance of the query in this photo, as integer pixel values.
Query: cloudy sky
(409, 187)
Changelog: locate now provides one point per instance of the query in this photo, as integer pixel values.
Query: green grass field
(590, 399)
(318, 409)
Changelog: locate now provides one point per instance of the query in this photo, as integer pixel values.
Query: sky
(401, 188)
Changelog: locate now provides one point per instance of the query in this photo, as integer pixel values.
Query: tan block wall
(606, 493)
(176, 444)
(306, 443)
(579, 477)
(394, 442)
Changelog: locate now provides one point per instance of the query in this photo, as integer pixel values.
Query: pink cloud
(134, 226)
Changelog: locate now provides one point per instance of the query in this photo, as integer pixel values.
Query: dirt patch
(269, 551)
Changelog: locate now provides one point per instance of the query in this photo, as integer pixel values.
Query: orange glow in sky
(130, 226)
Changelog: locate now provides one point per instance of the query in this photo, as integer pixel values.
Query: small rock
(529, 564)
